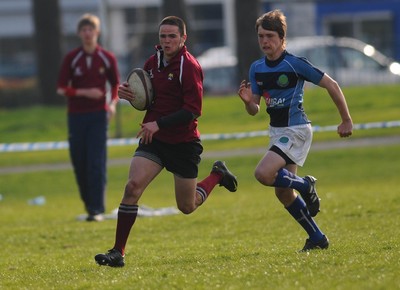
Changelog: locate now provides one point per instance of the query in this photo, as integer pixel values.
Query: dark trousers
(87, 136)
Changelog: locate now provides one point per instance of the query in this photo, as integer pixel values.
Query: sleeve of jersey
(308, 71)
(179, 117)
(192, 87)
(64, 78)
(64, 73)
(253, 83)
(113, 77)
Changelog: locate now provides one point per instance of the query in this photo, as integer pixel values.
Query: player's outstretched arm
(345, 128)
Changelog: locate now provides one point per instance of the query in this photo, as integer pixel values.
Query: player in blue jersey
(279, 79)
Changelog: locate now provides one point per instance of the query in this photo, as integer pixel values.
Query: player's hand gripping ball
(139, 81)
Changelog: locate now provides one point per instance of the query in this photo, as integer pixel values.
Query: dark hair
(274, 20)
(174, 20)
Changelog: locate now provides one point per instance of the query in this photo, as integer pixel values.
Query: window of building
(17, 57)
(205, 29)
(207, 26)
(373, 28)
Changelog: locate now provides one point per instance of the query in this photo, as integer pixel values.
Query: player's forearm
(92, 93)
(343, 110)
(66, 91)
(252, 108)
(180, 117)
(338, 98)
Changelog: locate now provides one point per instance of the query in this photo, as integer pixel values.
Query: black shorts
(181, 159)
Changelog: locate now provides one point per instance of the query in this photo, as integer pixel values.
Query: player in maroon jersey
(83, 76)
(169, 136)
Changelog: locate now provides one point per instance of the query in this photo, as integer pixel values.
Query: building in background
(130, 27)
(17, 46)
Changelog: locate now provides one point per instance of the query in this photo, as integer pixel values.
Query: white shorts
(294, 141)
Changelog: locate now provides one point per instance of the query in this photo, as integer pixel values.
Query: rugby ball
(140, 83)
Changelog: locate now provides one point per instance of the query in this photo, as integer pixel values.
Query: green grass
(220, 115)
(236, 240)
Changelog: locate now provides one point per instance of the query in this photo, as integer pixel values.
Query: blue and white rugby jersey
(281, 84)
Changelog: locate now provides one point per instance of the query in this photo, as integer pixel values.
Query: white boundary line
(46, 146)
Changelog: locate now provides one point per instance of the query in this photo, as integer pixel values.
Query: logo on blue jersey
(273, 102)
(283, 81)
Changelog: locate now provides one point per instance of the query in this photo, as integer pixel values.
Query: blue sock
(300, 213)
(287, 179)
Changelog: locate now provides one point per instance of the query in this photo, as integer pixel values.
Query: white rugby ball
(140, 83)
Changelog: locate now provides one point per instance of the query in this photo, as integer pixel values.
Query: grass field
(235, 241)
(220, 115)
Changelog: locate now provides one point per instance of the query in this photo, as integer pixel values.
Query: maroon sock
(205, 186)
(126, 218)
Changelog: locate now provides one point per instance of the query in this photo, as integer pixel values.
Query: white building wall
(15, 18)
(116, 39)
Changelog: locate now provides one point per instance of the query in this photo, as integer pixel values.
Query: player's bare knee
(264, 178)
(186, 209)
(132, 190)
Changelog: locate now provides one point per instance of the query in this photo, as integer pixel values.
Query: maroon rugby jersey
(82, 70)
(179, 85)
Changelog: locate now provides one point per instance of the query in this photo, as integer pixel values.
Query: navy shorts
(181, 159)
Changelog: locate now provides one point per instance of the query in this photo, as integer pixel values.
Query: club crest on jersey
(77, 71)
(170, 76)
(102, 70)
(283, 81)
